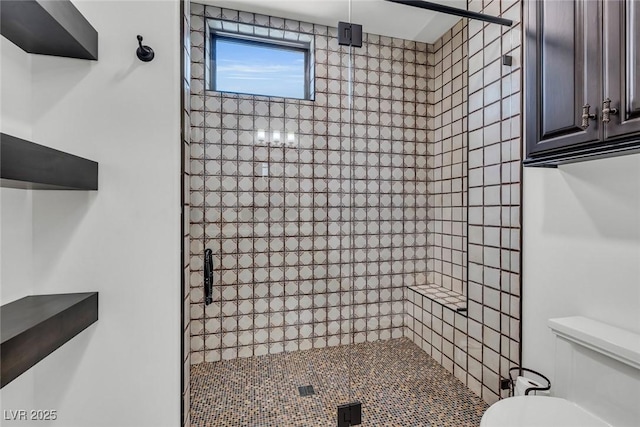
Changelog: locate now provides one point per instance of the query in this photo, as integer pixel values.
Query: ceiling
(376, 16)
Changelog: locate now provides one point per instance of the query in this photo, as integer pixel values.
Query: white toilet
(596, 384)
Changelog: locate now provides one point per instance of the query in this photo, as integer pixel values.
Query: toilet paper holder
(520, 370)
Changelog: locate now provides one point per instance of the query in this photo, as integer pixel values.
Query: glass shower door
(272, 223)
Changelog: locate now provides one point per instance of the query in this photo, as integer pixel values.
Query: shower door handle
(208, 277)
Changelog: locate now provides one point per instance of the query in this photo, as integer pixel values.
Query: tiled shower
(324, 245)
(396, 218)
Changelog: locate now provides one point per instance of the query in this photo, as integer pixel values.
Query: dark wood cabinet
(565, 73)
(622, 66)
(582, 96)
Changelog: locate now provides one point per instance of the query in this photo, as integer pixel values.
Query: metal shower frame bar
(454, 11)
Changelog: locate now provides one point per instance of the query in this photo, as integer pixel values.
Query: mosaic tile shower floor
(397, 383)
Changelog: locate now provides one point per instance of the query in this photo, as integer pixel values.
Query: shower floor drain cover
(306, 390)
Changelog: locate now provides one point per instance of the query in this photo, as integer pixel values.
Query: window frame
(273, 43)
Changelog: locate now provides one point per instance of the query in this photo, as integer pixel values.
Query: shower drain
(306, 390)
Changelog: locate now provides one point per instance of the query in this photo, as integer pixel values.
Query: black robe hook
(145, 53)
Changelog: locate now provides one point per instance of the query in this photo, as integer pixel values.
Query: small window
(257, 66)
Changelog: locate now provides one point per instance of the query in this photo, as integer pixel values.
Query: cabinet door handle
(586, 116)
(607, 111)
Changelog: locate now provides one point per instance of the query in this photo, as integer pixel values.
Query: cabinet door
(622, 66)
(563, 73)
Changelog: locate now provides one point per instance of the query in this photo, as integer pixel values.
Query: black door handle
(208, 277)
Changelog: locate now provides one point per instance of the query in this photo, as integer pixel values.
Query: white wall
(15, 102)
(15, 205)
(124, 239)
(581, 249)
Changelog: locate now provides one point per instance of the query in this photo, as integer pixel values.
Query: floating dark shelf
(34, 326)
(26, 165)
(49, 28)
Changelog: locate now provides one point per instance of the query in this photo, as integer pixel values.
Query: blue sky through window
(259, 69)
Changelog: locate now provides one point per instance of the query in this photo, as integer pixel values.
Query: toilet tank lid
(617, 343)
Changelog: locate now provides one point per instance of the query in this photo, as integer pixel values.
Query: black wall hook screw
(145, 53)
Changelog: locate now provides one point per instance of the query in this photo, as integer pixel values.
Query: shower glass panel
(435, 196)
(272, 197)
(408, 150)
(327, 211)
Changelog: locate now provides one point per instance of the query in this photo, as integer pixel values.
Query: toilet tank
(598, 367)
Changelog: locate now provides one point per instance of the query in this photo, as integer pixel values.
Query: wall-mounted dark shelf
(27, 165)
(48, 28)
(34, 326)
